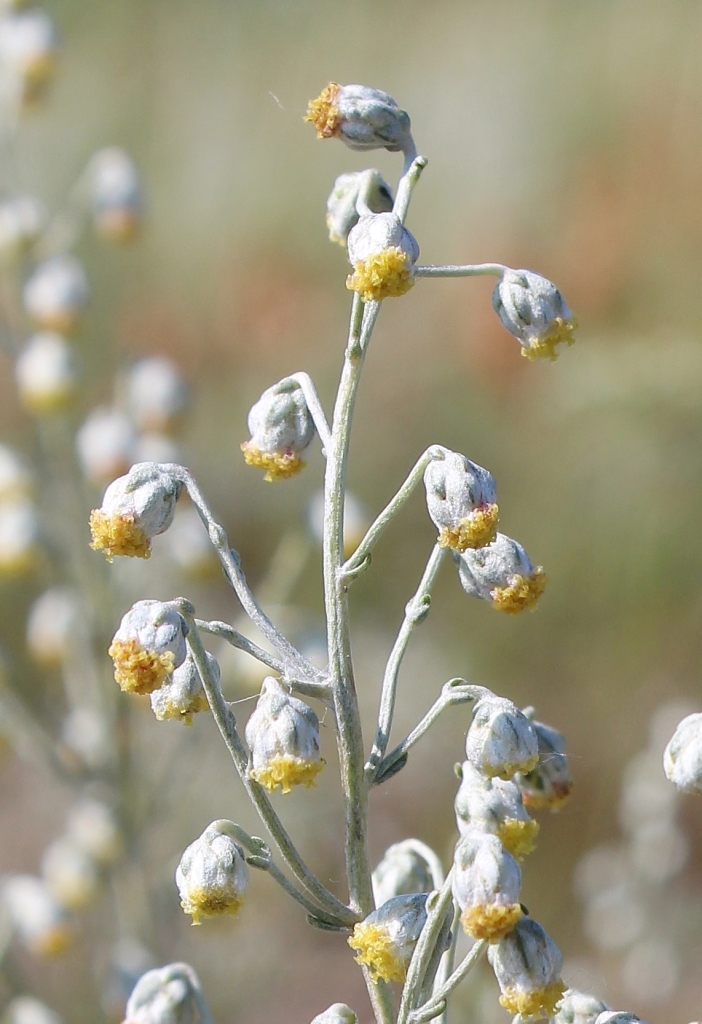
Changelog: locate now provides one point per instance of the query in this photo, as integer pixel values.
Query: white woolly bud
(383, 253)
(46, 373)
(135, 508)
(167, 995)
(212, 876)
(156, 393)
(19, 534)
(22, 220)
(386, 939)
(578, 1008)
(682, 759)
(41, 924)
(461, 501)
(403, 870)
(183, 695)
(549, 783)
(115, 194)
(105, 444)
(356, 520)
(501, 740)
(70, 874)
(534, 311)
(362, 117)
(283, 736)
(15, 478)
(337, 1013)
(494, 805)
(342, 211)
(486, 885)
(28, 1010)
(502, 574)
(92, 827)
(28, 51)
(527, 964)
(148, 646)
(57, 293)
(281, 427)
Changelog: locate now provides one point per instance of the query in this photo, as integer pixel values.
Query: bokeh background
(561, 136)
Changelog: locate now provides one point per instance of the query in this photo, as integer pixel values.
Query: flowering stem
(436, 1005)
(438, 904)
(315, 407)
(416, 611)
(469, 270)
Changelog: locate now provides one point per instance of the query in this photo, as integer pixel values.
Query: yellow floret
(202, 902)
(490, 920)
(383, 275)
(377, 951)
(544, 347)
(555, 799)
(138, 670)
(518, 837)
(323, 112)
(118, 535)
(475, 531)
(541, 1002)
(521, 592)
(278, 465)
(285, 771)
(173, 709)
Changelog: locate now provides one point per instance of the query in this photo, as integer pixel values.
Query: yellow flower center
(475, 531)
(518, 837)
(383, 275)
(490, 920)
(544, 347)
(323, 112)
(201, 902)
(555, 796)
(377, 951)
(278, 465)
(138, 670)
(168, 709)
(520, 593)
(285, 771)
(118, 535)
(541, 1002)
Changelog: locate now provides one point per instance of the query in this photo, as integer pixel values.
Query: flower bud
(28, 1010)
(502, 574)
(92, 827)
(46, 374)
(15, 478)
(56, 294)
(135, 508)
(495, 806)
(39, 921)
(148, 646)
(283, 736)
(682, 759)
(501, 740)
(527, 964)
(115, 196)
(28, 51)
(212, 876)
(402, 871)
(70, 874)
(281, 427)
(156, 394)
(486, 885)
(182, 695)
(22, 220)
(578, 1008)
(383, 253)
(167, 995)
(385, 940)
(105, 444)
(342, 212)
(362, 117)
(549, 783)
(534, 311)
(19, 534)
(338, 1013)
(461, 502)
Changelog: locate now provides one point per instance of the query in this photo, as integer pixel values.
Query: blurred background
(562, 137)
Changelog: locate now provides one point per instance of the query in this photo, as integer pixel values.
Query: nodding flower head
(486, 884)
(494, 805)
(362, 117)
(342, 204)
(501, 740)
(461, 501)
(283, 736)
(534, 311)
(527, 964)
(682, 760)
(135, 508)
(402, 870)
(502, 573)
(70, 873)
(46, 374)
(212, 876)
(578, 1008)
(182, 696)
(385, 940)
(549, 783)
(148, 646)
(115, 194)
(56, 294)
(28, 51)
(281, 428)
(22, 220)
(167, 995)
(40, 922)
(383, 253)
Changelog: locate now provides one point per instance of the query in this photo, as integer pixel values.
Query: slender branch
(406, 185)
(438, 904)
(436, 1005)
(415, 612)
(468, 270)
(315, 406)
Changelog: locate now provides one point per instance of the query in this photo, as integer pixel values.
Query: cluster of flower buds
(27, 53)
(283, 737)
(501, 573)
(281, 427)
(534, 311)
(135, 508)
(148, 646)
(212, 876)
(385, 940)
(115, 194)
(167, 995)
(461, 501)
(19, 527)
(353, 194)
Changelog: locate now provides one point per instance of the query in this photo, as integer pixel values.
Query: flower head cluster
(283, 736)
(501, 573)
(148, 646)
(534, 311)
(461, 502)
(212, 876)
(281, 427)
(135, 508)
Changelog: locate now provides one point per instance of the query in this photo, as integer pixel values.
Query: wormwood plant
(402, 919)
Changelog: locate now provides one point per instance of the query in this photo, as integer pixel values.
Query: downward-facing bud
(70, 874)
(385, 940)
(486, 884)
(461, 501)
(494, 805)
(93, 828)
(22, 220)
(105, 443)
(212, 876)
(578, 1008)
(501, 740)
(527, 964)
(283, 736)
(549, 783)
(46, 374)
(402, 870)
(167, 995)
(28, 51)
(182, 696)
(281, 428)
(28, 1010)
(502, 574)
(534, 311)
(362, 117)
(115, 194)
(56, 294)
(682, 760)
(156, 393)
(338, 1013)
(383, 253)
(342, 204)
(41, 924)
(148, 646)
(135, 508)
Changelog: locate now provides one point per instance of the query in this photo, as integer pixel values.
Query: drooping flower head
(501, 573)
(385, 940)
(283, 736)
(56, 294)
(501, 740)
(28, 52)
(342, 204)
(281, 428)
(527, 964)
(549, 783)
(362, 117)
(461, 501)
(402, 870)
(578, 1008)
(167, 995)
(148, 646)
(182, 695)
(212, 876)
(534, 311)
(135, 508)
(46, 374)
(38, 919)
(486, 884)
(494, 805)
(383, 253)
